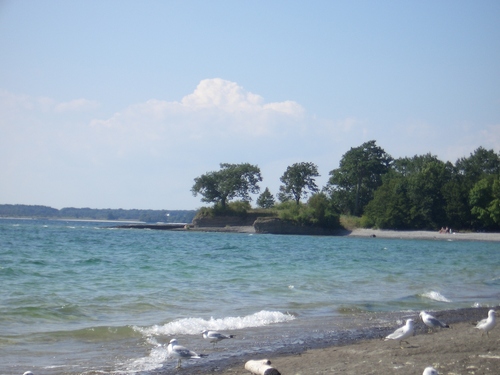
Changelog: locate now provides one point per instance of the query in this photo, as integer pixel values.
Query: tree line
(148, 216)
(419, 192)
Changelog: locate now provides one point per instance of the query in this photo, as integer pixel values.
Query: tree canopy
(266, 199)
(231, 181)
(298, 180)
(353, 184)
(419, 192)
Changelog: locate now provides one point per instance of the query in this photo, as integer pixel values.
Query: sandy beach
(378, 233)
(426, 235)
(460, 349)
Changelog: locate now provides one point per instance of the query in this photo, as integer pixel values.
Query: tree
(480, 163)
(485, 202)
(353, 184)
(411, 196)
(390, 206)
(231, 181)
(297, 180)
(266, 199)
(323, 214)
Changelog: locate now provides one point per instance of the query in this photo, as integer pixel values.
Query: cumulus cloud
(216, 108)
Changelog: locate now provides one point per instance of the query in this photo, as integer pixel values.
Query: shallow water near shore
(82, 298)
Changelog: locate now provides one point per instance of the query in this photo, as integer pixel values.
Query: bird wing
(397, 333)
(436, 322)
(481, 323)
(184, 352)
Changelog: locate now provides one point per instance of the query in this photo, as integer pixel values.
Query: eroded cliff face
(278, 226)
(224, 221)
(269, 225)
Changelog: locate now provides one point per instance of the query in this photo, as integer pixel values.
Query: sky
(122, 104)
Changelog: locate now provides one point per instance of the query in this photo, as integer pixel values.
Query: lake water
(83, 298)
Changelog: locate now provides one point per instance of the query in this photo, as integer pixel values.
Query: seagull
(432, 322)
(28, 373)
(430, 371)
(487, 325)
(179, 351)
(215, 336)
(402, 333)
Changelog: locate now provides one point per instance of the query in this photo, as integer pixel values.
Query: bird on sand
(430, 371)
(432, 322)
(487, 324)
(214, 337)
(180, 352)
(402, 333)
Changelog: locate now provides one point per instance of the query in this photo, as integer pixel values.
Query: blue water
(83, 298)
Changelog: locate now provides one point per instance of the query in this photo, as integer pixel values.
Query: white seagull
(180, 352)
(214, 336)
(432, 322)
(430, 371)
(487, 325)
(402, 333)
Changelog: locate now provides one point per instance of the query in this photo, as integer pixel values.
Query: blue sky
(121, 104)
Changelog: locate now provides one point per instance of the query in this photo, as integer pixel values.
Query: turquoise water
(80, 297)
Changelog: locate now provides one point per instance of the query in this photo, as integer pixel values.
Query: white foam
(435, 296)
(157, 356)
(193, 326)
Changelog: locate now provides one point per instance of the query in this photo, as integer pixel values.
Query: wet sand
(460, 349)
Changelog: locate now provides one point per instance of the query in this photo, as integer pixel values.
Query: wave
(435, 296)
(193, 326)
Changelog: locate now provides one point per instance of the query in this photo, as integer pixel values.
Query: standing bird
(430, 371)
(402, 333)
(487, 325)
(215, 336)
(180, 352)
(432, 322)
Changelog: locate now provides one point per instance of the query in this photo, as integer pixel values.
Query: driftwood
(261, 367)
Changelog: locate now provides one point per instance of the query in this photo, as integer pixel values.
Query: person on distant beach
(444, 230)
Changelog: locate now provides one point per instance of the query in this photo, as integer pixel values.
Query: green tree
(298, 180)
(266, 199)
(323, 213)
(411, 196)
(353, 184)
(390, 205)
(485, 202)
(457, 208)
(425, 195)
(479, 164)
(231, 181)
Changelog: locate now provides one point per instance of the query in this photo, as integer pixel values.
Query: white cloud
(216, 108)
(76, 105)
(12, 103)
